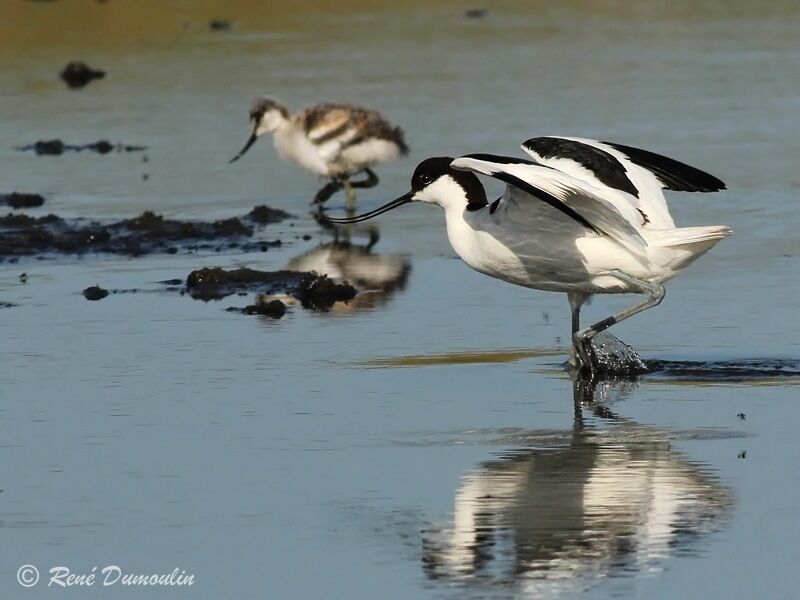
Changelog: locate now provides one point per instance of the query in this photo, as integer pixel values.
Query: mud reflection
(612, 499)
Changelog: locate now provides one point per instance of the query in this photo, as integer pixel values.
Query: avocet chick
(336, 141)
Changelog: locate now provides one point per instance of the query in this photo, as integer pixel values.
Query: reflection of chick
(609, 501)
(375, 276)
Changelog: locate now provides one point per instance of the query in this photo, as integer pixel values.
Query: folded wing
(576, 199)
(628, 175)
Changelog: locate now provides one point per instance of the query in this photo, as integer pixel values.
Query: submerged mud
(263, 306)
(264, 215)
(731, 371)
(23, 235)
(57, 147)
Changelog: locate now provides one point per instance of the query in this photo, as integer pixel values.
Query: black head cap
(431, 169)
(263, 104)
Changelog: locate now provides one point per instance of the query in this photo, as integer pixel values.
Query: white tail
(688, 236)
(675, 249)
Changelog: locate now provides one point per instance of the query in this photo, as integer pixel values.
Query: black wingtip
(675, 175)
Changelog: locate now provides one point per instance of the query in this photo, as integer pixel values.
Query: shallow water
(425, 440)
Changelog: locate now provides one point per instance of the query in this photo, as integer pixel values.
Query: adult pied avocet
(584, 217)
(335, 141)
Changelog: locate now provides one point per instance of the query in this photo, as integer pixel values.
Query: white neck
(285, 124)
(293, 145)
(461, 234)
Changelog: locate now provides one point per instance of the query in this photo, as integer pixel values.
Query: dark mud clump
(475, 13)
(265, 215)
(57, 147)
(274, 309)
(46, 147)
(23, 235)
(215, 283)
(78, 74)
(22, 200)
(321, 292)
(315, 292)
(95, 293)
(219, 25)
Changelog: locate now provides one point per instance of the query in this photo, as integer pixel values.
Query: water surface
(423, 442)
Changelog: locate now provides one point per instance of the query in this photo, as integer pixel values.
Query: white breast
(295, 147)
(482, 251)
(529, 256)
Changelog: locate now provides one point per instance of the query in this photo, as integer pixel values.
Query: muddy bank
(315, 292)
(57, 147)
(23, 235)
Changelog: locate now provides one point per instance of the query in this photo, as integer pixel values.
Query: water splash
(613, 357)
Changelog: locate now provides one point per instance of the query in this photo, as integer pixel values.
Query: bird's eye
(425, 178)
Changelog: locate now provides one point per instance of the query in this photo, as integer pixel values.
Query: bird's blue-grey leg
(576, 300)
(330, 188)
(582, 340)
(349, 186)
(350, 195)
(370, 181)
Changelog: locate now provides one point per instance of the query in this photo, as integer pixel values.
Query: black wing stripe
(504, 160)
(675, 175)
(602, 164)
(545, 197)
(332, 134)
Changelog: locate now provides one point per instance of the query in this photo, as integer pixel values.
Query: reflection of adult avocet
(576, 508)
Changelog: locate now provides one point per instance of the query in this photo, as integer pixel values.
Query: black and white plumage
(335, 141)
(639, 173)
(584, 217)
